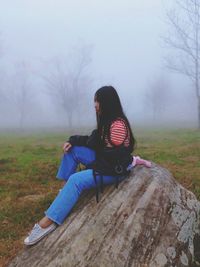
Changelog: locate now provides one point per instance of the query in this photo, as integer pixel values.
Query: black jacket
(109, 160)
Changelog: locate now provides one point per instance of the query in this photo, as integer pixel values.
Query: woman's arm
(85, 140)
(78, 140)
(118, 133)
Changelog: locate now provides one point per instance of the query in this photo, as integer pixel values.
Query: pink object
(138, 161)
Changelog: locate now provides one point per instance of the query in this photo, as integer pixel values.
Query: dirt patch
(31, 198)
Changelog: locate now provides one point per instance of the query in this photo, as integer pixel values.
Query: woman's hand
(66, 147)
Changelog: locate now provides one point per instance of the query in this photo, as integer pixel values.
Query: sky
(119, 31)
(125, 36)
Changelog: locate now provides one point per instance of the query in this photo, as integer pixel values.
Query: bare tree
(21, 92)
(67, 83)
(2, 76)
(184, 21)
(1, 46)
(2, 87)
(157, 96)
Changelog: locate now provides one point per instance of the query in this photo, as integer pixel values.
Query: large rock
(150, 220)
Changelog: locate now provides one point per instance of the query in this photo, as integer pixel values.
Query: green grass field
(28, 165)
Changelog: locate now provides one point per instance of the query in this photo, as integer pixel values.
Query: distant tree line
(65, 81)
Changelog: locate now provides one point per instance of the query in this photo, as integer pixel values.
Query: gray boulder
(149, 221)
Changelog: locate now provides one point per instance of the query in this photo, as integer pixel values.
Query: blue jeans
(76, 182)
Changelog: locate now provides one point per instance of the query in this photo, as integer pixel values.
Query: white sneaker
(38, 233)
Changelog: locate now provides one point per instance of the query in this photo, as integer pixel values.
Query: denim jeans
(76, 182)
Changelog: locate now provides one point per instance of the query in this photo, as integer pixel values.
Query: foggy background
(54, 55)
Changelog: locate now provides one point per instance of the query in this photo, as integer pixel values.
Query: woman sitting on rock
(106, 153)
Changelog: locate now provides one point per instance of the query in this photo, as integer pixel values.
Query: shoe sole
(37, 240)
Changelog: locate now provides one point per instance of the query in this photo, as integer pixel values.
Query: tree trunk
(198, 112)
(70, 121)
(21, 121)
(149, 221)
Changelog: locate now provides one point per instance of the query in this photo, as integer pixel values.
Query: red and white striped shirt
(119, 134)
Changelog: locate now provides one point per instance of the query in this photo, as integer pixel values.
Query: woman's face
(97, 106)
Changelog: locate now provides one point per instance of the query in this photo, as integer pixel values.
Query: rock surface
(149, 221)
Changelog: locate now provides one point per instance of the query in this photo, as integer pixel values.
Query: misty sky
(125, 35)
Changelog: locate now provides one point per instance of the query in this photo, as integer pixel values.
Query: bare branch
(173, 44)
(179, 68)
(182, 35)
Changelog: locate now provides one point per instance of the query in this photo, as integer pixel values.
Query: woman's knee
(82, 154)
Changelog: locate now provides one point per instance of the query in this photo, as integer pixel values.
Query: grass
(28, 165)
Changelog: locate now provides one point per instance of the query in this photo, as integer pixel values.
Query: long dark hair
(110, 109)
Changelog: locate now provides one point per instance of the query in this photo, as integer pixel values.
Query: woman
(106, 153)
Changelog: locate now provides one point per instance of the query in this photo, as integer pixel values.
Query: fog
(47, 46)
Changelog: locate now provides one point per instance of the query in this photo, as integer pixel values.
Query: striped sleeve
(118, 132)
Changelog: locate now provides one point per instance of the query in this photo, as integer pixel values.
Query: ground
(28, 165)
